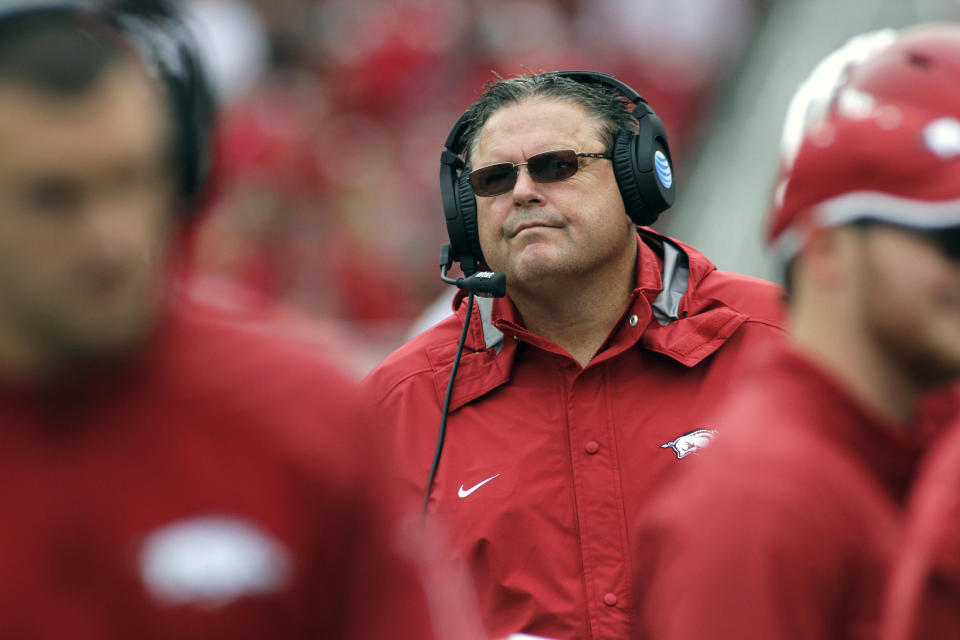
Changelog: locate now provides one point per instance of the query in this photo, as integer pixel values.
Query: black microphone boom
(486, 284)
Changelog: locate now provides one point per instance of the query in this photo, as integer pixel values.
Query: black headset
(155, 30)
(641, 165)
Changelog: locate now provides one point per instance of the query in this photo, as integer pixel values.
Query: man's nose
(526, 191)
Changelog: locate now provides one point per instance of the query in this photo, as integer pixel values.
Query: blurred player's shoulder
(234, 346)
(791, 423)
(768, 434)
(334, 341)
(425, 353)
(270, 388)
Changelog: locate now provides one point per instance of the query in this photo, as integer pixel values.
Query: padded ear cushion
(641, 164)
(467, 204)
(628, 179)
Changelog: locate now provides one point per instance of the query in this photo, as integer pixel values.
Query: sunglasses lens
(493, 180)
(553, 166)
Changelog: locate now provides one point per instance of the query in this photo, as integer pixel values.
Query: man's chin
(100, 341)
(538, 261)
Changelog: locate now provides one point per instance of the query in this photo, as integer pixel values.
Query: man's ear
(825, 256)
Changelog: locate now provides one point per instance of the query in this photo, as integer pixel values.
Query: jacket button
(610, 599)
(633, 320)
(592, 447)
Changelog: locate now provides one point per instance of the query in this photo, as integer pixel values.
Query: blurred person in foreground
(923, 594)
(584, 387)
(162, 473)
(788, 526)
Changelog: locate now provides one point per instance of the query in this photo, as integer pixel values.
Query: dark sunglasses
(550, 166)
(947, 239)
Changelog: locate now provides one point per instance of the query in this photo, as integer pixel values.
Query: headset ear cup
(642, 166)
(663, 184)
(160, 33)
(628, 177)
(467, 204)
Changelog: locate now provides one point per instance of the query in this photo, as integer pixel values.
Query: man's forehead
(122, 76)
(122, 87)
(536, 124)
(122, 113)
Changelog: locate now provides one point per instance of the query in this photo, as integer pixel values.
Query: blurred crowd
(334, 113)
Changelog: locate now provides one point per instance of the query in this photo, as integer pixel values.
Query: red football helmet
(874, 132)
(918, 65)
(921, 67)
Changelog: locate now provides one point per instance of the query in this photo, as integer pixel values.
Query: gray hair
(605, 105)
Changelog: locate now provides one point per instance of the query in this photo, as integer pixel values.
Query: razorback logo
(690, 442)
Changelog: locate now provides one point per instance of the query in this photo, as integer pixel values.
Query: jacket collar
(697, 325)
(673, 321)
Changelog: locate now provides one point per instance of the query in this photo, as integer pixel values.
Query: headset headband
(641, 164)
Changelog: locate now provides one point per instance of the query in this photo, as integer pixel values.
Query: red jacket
(786, 527)
(220, 486)
(545, 462)
(923, 598)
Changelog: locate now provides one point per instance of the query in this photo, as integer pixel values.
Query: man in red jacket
(590, 382)
(163, 474)
(788, 526)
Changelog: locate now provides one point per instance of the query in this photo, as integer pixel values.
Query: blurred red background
(328, 219)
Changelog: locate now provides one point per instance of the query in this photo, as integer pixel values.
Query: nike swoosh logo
(464, 494)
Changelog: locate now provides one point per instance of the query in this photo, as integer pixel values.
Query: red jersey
(219, 486)
(786, 527)
(545, 460)
(923, 598)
